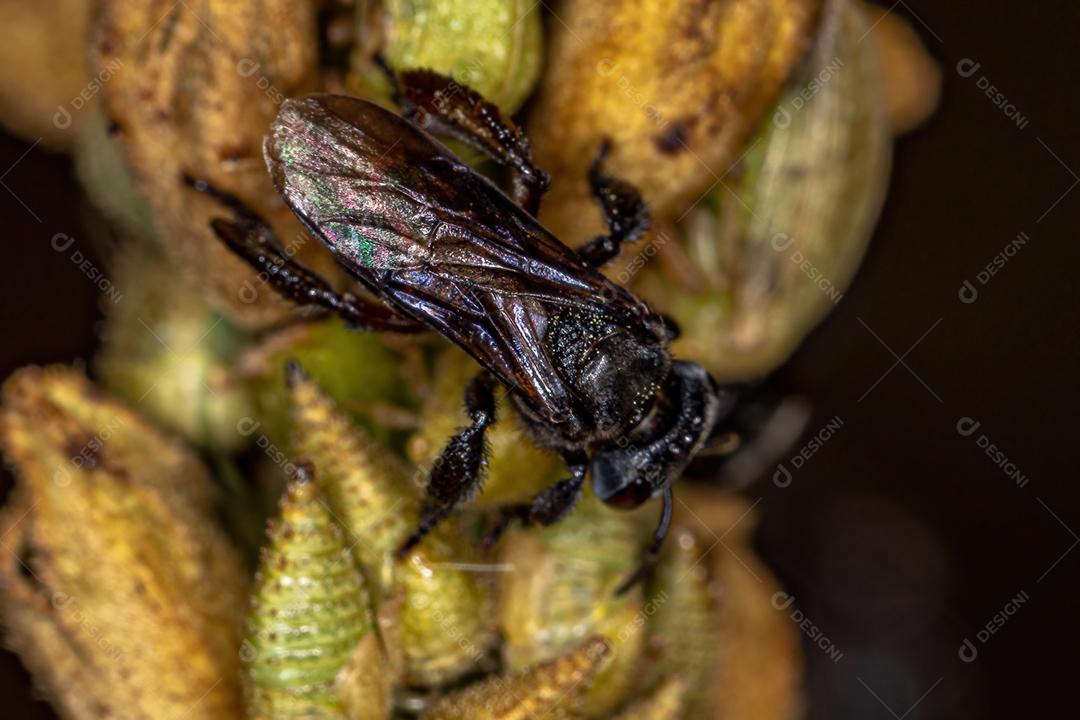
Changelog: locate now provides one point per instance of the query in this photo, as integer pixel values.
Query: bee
(437, 246)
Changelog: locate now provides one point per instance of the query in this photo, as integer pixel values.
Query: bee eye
(633, 495)
(617, 483)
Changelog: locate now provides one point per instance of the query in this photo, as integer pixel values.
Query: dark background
(900, 537)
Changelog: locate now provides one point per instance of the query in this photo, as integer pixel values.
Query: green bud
(492, 46)
(309, 612)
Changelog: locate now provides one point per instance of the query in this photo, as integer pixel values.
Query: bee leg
(446, 107)
(457, 472)
(252, 239)
(625, 212)
(547, 508)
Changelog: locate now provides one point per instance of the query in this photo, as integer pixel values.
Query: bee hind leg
(457, 473)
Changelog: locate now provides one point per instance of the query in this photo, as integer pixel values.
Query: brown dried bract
(676, 86)
(542, 693)
(912, 78)
(45, 88)
(195, 87)
(120, 595)
(666, 702)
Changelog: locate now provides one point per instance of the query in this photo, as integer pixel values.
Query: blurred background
(899, 538)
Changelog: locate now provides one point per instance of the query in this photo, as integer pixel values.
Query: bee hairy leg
(625, 212)
(457, 473)
(547, 508)
(250, 237)
(443, 106)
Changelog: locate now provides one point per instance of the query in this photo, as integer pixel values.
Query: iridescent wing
(434, 239)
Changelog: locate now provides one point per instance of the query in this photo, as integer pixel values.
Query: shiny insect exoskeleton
(438, 246)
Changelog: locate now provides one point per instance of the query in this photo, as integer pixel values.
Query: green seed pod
(560, 589)
(107, 181)
(683, 628)
(770, 254)
(445, 627)
(309, 612)
(544, 692)
(166, 350)
(367, 487)
(356, 369)
(493, 46)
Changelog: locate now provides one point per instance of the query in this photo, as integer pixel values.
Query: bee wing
(342, 165)
(433, 238)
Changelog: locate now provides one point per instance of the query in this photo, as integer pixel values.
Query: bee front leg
(625, 212)
(458, 471)
(446, 107)
(250, 237)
